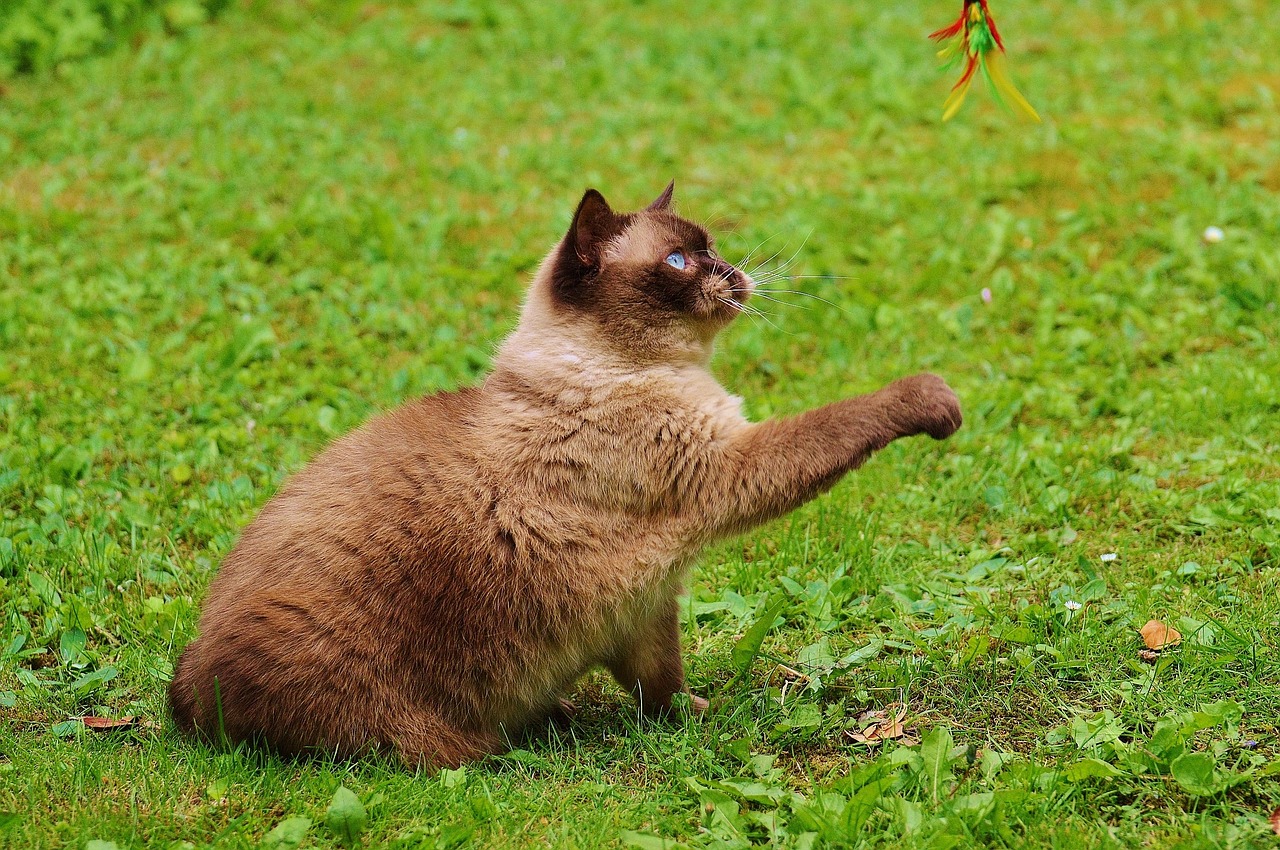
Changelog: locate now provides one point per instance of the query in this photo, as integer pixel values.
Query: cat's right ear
(594, 224)
(663, 202)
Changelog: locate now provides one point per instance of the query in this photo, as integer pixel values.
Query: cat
(439, 578)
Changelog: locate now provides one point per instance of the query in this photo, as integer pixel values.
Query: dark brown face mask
(651, 267)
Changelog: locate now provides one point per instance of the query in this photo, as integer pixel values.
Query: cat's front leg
(776, 466)
(649, 666)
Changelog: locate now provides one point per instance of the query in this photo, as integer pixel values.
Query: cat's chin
(735, 303)
(737, 295)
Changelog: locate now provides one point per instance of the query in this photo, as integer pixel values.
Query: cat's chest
(609, 437)
(666, 411)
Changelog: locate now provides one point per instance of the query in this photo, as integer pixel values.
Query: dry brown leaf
(109, 724)
(878, 726)
(1156, 635)
(880, 714)
(1275, 821)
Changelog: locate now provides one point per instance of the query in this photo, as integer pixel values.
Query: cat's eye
(676, 260)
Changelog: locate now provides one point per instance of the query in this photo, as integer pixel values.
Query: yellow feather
(956, 99)
(1004, 85)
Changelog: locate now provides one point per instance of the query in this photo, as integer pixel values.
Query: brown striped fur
(440, 577)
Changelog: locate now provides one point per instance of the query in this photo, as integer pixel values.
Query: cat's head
(648, 282)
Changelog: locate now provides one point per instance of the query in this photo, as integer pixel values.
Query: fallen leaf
(1275, 821)
(876, 727)
(1156, 635)
(109, 724)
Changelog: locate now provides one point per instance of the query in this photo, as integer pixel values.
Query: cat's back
(364, 506)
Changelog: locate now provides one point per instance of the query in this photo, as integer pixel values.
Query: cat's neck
(550, 345)
(566, 366)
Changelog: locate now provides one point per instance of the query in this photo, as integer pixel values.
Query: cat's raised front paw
(931, 405)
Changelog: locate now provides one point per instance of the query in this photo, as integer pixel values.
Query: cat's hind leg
(424, 740)
(649, 666)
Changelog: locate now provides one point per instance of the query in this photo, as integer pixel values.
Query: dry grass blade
(791, 674)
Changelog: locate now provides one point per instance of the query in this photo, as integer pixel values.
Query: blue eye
(675, 259)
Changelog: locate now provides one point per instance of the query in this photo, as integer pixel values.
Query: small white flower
(986, 295)
(1072, 605)
(1213, 235)
(1110, 556)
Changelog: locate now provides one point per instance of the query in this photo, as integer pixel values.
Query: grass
(220, 249)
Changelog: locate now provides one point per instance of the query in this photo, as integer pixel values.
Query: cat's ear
(663, 201)
(594, 224)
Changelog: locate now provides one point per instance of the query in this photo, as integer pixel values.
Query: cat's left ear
(663, 201)
(594, 224)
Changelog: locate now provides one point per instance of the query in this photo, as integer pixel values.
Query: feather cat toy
(974, 36)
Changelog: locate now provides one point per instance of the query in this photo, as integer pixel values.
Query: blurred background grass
(40, 35)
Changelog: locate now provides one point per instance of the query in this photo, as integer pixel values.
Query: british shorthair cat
(439, 578)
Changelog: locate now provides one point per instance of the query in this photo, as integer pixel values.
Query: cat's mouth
(736, 288)
(729, 285)
(742, 287)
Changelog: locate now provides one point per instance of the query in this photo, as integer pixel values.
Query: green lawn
(219, 250)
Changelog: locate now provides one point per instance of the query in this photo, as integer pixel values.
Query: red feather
(970, 66)
(991, 25)
(949, 32)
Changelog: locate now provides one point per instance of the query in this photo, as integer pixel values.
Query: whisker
(802, 294)
(810, 276)
(786, 265)
(765, 261)
(789, 261)
(767, 297)
(753, 313)
(781, 270)
(750, 253)
(712, 224)
(747, 259)
(739, 306)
